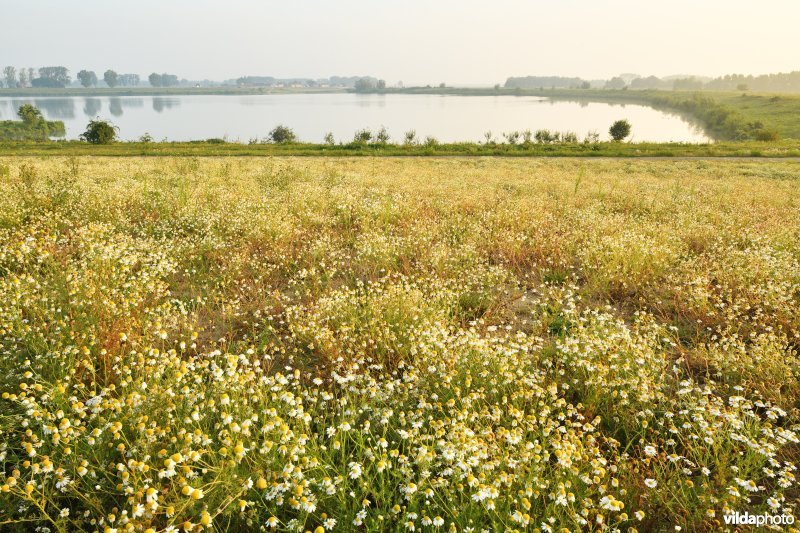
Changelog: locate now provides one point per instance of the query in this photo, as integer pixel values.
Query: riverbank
(217, 147)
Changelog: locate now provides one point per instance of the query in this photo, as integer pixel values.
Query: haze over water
(448, 118)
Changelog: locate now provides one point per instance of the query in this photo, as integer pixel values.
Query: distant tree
(282, 135)
(411, 137)
(364, 85)
(329, 140)
(687, 84)
(586, 85)
(442, 85)
(742, 87)
(99, 132)
(169, 80)
(111, 78)
(10, 75)
(23, 78)
(87, 78)
(431, 141)
(619, 130)
(129, 80)
(616, 83)
(56, 76)
(49, 83)
(381, 85)
(154, 79)
(31, 74)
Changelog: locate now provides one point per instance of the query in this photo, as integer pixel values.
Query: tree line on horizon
(780, 82)
(58, 78)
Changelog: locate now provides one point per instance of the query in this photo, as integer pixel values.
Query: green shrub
(765, 135)
(99, 132)
(362, 136)
(282, 135)
(619, 130)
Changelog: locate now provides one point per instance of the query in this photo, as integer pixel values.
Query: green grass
(215, 148)
(16, 130)
(779, 111)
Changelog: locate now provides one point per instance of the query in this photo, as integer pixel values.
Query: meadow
(431, 344)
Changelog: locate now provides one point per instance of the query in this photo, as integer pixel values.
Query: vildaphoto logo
(747, 519)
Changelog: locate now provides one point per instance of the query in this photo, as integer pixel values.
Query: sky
(464, 42)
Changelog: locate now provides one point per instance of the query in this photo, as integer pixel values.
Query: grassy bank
(218, 148)
(19, 131)
(396, 344)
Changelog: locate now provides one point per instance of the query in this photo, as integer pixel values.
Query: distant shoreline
(166, 91)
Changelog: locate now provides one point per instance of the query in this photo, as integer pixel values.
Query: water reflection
(115, 106)
(370, 100)
(92, 107)
(52, 108)
(160, 103)
(450, 118)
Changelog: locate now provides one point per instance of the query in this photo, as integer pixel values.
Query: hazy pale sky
(416, 41)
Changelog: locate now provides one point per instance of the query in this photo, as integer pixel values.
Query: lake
(448, 118)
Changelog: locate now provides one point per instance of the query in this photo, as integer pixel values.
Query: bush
(512, 137)
(30, 115)
(619, 130)
(569, 137)
(592, 138)
(765, 135)
(362, 136)
(545, 136)
(431, 141)
(282, 135)
(99, 132)
(382, 137)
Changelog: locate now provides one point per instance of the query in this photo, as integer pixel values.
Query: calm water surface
(448, 118)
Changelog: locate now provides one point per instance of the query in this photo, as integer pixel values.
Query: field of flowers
(397, 344)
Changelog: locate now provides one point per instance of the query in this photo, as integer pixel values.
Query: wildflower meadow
(397, 344)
